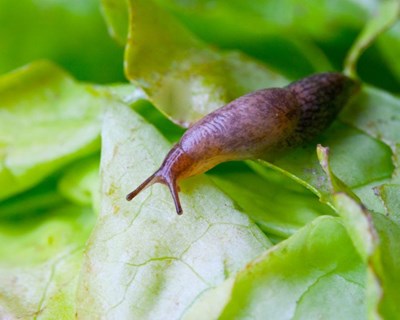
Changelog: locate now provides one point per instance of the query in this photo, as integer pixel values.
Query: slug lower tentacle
(259, 124)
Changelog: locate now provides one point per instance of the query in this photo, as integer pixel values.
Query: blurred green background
(71, 33)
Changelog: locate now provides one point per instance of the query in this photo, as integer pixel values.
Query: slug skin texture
(261, 123)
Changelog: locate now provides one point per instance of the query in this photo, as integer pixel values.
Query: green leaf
(117, 19)
(152, 115)
(284, 34)
(368, 162)
(289, 52)
(143, 260)
(182, 76)
(276, 207)
(376, 113)
(389, 45)
(263, 17)
(387, 16)
(376, 238)
(41, 198)
(47, 120)
(136, 99)
(70, 33)
(389, 194)
(334, 183)
(80, 183)
(315, 274)
(40, 263)
(378, 241)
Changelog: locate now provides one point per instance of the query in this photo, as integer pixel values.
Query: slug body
(259, 124)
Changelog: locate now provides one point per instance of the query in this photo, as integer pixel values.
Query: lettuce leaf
(70, 33)
(316, 273)
(80, 183)
(40, 263)
(143, 260)
(389, 44)
(376, 238)
(389, 13)
(274, 203)
(47, 121)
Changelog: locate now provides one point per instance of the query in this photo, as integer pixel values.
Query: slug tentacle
(147, 183)
(174, 189)
(260, 124)
(177, 164)
(158, 178)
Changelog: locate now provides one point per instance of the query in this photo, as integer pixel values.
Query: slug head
(176, 165)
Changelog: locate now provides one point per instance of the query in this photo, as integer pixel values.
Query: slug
(260, 124)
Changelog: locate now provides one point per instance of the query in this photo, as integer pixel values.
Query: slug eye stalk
(158, 178)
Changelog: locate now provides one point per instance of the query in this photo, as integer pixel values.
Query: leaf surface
(40, 259)
(144, 261)
(184, 77)
(314, 274)
(47, 120)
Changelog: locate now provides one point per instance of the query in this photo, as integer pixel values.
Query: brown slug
(259, 124)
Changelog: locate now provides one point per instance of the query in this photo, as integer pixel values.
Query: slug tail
(147, 183)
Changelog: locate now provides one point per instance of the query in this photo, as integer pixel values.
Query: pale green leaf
(143, 260)
(40, 259)
(315, 274)
(47, 120)
(80, 183)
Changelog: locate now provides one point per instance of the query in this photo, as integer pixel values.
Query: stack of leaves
(315, 235)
